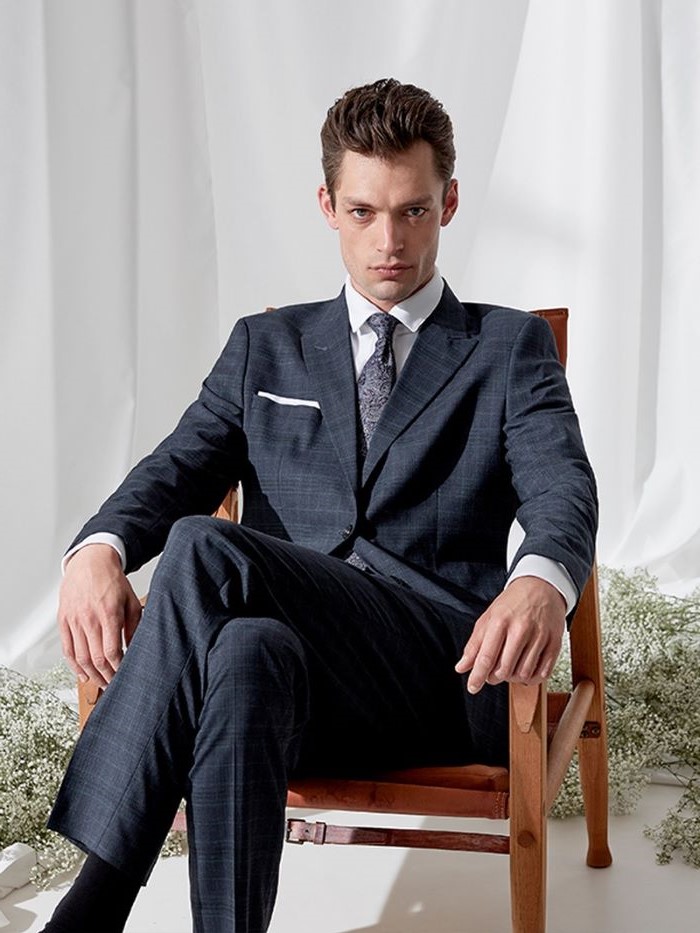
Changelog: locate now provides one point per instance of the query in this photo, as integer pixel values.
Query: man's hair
(384, 119)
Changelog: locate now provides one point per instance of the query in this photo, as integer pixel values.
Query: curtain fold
(109, 285)
(158, 169)
(664, 531)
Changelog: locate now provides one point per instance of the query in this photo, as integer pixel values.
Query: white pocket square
(285, 400)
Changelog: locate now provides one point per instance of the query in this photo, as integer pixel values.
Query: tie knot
(382, 324)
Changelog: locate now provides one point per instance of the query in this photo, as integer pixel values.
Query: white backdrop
(158, 167)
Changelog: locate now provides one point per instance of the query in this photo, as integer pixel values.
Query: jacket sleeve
(190, 471)
(551, 475)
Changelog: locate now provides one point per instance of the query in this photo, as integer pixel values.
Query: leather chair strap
(300, 831)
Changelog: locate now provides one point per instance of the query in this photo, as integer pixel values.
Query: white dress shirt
(411, 314)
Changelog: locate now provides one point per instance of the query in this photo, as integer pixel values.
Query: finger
(471, 650)
(539, 663)
(473, 645)
(552, 651)
(98, 640)
(510, 658)
(527, 666)
(132, 617)
(68, 649)
(546, 666)
(83, 656)
(486, 660)
(548, 660)
(105, 638)
(112, 647)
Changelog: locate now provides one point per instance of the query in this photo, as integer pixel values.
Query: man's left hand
(518, 638)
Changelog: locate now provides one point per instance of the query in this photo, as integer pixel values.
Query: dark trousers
(257, 659)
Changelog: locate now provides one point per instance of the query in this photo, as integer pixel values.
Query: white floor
(365, 890)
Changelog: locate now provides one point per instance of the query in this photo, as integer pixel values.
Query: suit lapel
(328, 357)
(443, 344)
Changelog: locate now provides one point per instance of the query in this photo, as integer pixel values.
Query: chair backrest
(557, 319)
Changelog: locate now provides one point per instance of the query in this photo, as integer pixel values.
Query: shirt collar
(411, 312)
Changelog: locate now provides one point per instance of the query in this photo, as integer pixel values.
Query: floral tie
(377, 377)
(373, 389)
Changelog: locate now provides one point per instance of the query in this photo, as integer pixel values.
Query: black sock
(99, 900)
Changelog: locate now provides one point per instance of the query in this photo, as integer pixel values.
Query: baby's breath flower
(651, 653)
(38, 731)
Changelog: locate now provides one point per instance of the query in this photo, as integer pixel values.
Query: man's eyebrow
(421, 201)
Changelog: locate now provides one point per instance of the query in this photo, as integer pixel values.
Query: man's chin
(393, 292)
(386, 293)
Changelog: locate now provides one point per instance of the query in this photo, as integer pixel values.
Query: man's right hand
(96, 605)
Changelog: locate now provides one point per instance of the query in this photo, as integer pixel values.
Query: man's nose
(390, 237)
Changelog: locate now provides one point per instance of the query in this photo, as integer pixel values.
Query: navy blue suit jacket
(479, 429)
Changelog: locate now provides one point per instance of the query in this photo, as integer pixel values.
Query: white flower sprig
(37, 735)
(38, 732)
(651, 654)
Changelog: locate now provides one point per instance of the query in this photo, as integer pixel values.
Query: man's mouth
(391, 271)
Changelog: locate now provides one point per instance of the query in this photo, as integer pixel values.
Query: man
(384, 441)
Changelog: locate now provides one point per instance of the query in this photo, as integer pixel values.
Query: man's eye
(360, 212)
(415, 211)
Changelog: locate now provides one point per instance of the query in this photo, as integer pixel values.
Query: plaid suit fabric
(478, 428)
(256, 658)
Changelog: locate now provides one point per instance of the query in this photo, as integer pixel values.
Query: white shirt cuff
(101, 537)
(551, 571)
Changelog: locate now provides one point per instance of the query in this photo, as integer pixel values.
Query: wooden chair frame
(545, 729)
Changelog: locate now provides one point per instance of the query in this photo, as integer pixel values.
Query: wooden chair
(545, 729)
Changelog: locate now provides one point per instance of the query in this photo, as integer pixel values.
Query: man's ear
(451, 202)
(326, 204)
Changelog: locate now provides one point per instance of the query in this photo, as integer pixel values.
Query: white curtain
(158, 167)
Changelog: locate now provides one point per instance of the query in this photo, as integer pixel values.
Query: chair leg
(528, 826)
(593, 770)
(587, 663)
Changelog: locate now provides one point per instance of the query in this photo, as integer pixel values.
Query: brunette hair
(384, 119)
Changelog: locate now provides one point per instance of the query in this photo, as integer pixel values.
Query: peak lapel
(443, 344)
(328, 357)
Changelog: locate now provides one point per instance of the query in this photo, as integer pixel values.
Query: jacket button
(347, 531)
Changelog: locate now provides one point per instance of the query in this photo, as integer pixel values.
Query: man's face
(388, 215)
